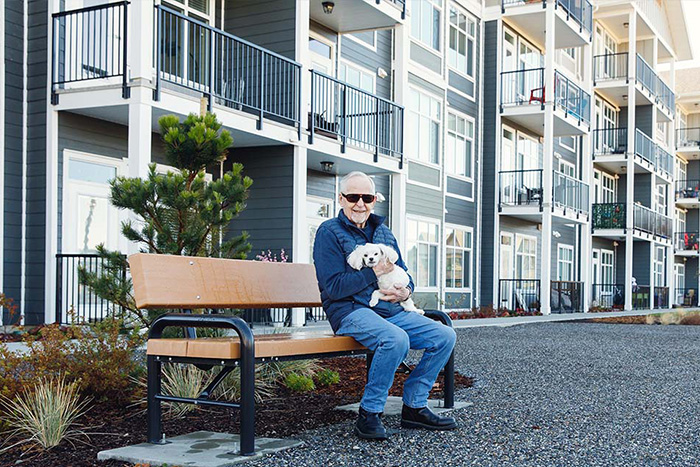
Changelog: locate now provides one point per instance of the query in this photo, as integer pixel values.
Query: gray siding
(641, 262)
(268, 214)
(567, 154)
(427, 85)
(424, 201)
(460, 212)
(13, 172)
(488, 165)
(643, 119)
(382, 184)
(355, 52)
(36, 161)
(693, 170)
(320, 184)
(267, 23)
(691, 275)
(642, 189)
(423, 57)
(424, 174)
(457, 186)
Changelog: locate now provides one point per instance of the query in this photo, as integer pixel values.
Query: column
(141, 40)
(547, 166)
(631, 93)
(300, 230)
(670, 197)
(139, 146)
(587, 178)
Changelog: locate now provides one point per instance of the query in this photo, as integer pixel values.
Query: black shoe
(370, 426)
(425, 418)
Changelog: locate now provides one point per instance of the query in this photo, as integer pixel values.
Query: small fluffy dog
(371, 254)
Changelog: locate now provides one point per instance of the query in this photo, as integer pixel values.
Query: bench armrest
(439, 315)
(202, 321)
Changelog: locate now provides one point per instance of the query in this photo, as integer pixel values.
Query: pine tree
(178, 213)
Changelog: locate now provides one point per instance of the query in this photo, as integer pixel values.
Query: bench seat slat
(270, 345)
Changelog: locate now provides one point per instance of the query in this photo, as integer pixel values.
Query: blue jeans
(390, 340)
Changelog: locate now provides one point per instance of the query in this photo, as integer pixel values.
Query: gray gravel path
(558, 394)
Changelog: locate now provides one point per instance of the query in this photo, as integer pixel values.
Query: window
(460, 145)
(317, 211)
(357, 77)
(458, 258)
(568, 142)
(525, 257)
(607, 267)
(567, 168)
(659, 276)
(661, 199)
(680, 220)
(366, 38)
(461, 52)
(422, 246)
(425, 22)
(565, 262)
(528, 153)
(424, 126)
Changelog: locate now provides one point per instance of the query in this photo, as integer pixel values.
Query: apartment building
(495, 131)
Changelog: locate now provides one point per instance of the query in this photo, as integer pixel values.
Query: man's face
(358, 212)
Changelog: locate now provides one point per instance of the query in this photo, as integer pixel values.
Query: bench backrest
(166, 281)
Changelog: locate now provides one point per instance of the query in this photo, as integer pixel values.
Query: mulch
(620, 320)
(287, 414)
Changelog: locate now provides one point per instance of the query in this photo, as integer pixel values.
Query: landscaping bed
(111, 426)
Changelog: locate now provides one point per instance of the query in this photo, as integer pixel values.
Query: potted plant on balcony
(322, 126)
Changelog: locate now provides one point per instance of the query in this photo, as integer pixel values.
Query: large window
(424, 122)
(318, 210)
(425, 22)
(458, 258)
(460, 145)
(422, 246)
(356, 76)
(565, 262)
(461, 52)
(525, 257)
(607, 267)
(659, 276)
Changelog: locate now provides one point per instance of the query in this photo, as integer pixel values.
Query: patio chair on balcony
(689, 298)
(537, 95)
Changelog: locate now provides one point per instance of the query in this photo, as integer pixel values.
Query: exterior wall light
(328, 7)
(327, 166)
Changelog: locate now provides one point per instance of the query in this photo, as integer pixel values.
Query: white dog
(371, 254)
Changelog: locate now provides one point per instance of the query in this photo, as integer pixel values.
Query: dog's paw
(373, 302)
(420, 312)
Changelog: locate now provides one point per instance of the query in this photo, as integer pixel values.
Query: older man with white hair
(386, 328)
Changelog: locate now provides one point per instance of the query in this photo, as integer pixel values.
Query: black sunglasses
(354, 198)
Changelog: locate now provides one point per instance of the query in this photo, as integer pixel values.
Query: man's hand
(397, 293)
(383, 267)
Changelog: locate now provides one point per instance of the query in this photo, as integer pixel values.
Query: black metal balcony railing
(567, 297)
(608, 296)
(645, 75)
(610, 141)
(644, 147)
(652, 222)
(574, 100)
(521, 87)
(237, 73)
(610, 67)
(570, 193)
(688, 137)
(89, 44)
(661, 297)
(686, 241)
(86, 306)
(520, 188)
(686, 297)
(688, 189)
(519, 295)
(343, 111)
(609, 216)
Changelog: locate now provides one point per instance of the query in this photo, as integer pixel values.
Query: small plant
(12, 314)
(45, 414)
(299, 383)
(327, 377)
(183, 381)
(278, 371)
(270, 257)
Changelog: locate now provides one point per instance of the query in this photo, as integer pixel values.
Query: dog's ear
(390, 253)
(355, 258)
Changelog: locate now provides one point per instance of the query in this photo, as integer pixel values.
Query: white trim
(424, 185)
(566, 246)
(449, 25)
(471, 249)
(2, 155)
(350, 64)
(456, 196)
(436, 4)
(354, 38)
(466, 117)
(458, 91)
(440, 245)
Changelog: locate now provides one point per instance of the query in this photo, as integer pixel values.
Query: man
(386, 329)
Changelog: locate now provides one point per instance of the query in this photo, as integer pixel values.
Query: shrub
(692, 319)
(299, 383)
(327, 377)
(43, 416)
(278, 371)
(183, 381)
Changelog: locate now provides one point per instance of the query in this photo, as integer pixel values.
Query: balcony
(608, 297)
(610, 67)
(688, 140)
(688, 193)
(523, 99)
(685, 297)
(349, 115)
(653, 154)
(686, 243)
(570, 195)
(520, 193)
(655, 91)
(610, 221)
(567, 297)
(359, 14)
(610, 141)
(574, 20)
(519, 295)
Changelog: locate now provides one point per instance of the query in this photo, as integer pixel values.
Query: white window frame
(450, 160)
(659, 269)
(359, 41)
(661, 199)
(609, 266)
(359, 68)
(567, 168)
(570, 148)
(471, 19)
(518, 238)
(314, 221)
(422, 94)
(563, 262)
(415, 12)
(438, 248)
(466, 248)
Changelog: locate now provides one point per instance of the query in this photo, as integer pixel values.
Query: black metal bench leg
(247, 404)
(370, 356)
(154, 407)
(450, 382)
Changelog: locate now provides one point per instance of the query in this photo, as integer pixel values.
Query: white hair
(344, 181)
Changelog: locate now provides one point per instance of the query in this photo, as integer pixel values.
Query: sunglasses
(354, 198)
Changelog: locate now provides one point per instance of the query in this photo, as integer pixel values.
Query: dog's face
(371, 254)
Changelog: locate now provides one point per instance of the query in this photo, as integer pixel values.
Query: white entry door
(506, 271)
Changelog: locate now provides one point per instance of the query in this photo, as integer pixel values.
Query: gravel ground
(558, 394)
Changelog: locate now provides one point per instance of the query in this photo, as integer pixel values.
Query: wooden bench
(186, 283)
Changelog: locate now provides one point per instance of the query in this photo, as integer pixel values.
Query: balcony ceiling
(356, 15)
(530, 20)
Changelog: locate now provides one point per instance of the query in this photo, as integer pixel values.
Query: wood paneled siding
(487, 269)
(267, 23)
(13, 166)
(356, 53)
(424, 201)
(268, 214)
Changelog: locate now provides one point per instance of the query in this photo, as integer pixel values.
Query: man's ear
(355, 258)
(390, 253)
